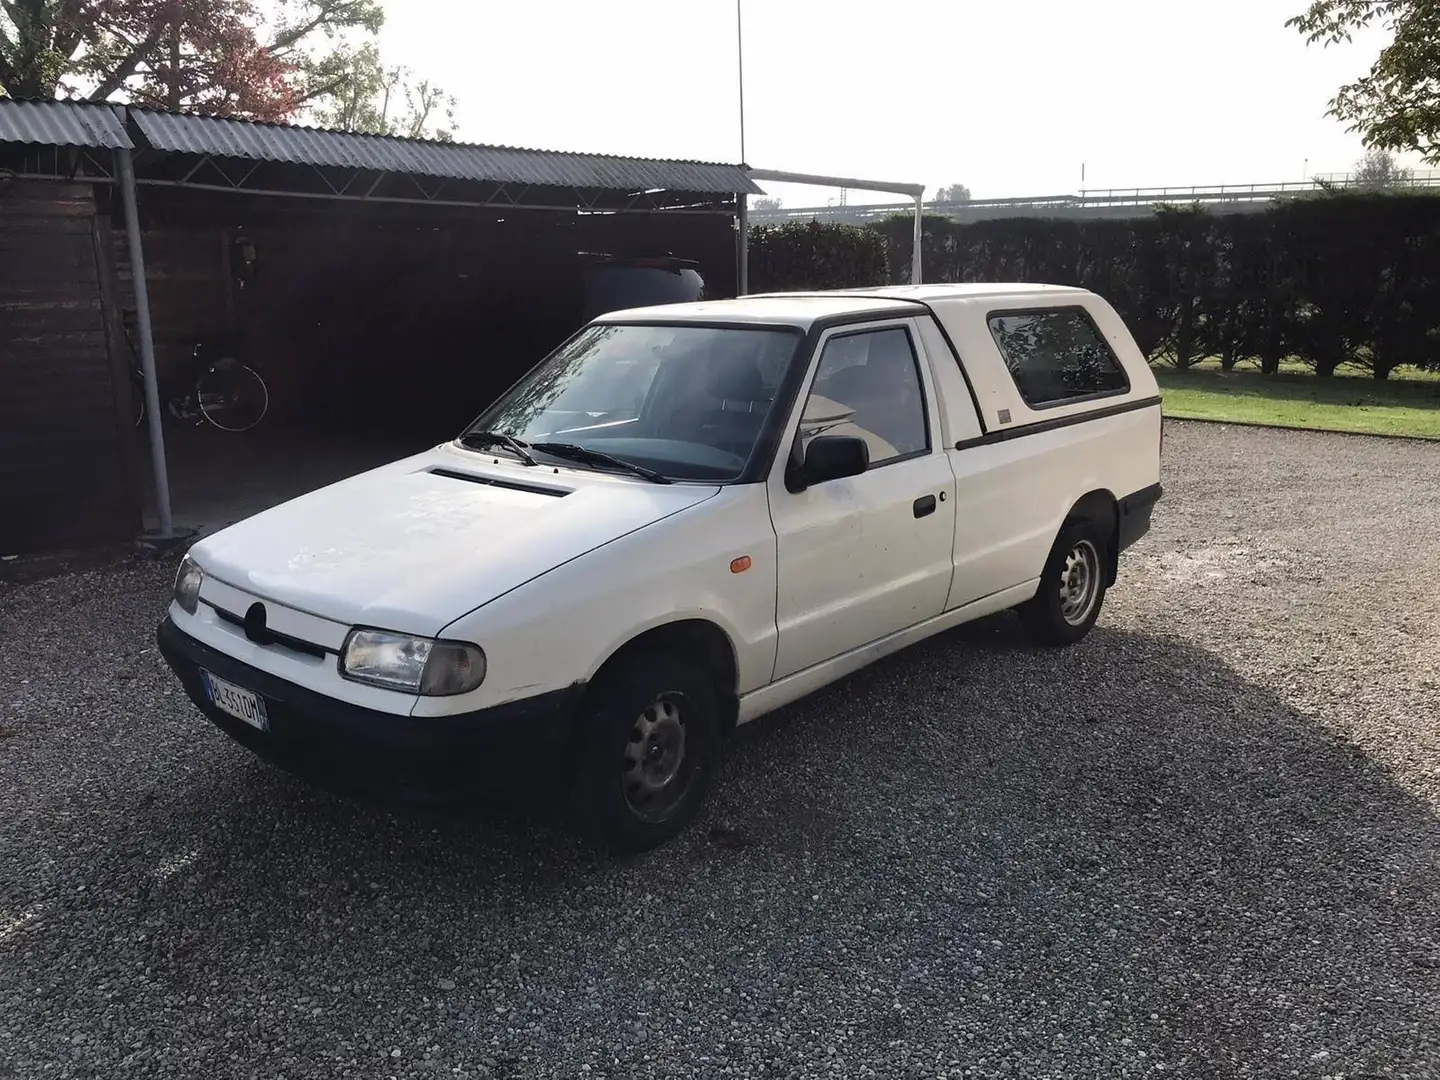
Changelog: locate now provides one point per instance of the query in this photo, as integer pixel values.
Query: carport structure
(393, 274)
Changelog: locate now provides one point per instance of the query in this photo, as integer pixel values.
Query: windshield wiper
(587, 456)
(484, 440)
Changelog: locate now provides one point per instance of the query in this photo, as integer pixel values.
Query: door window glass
(868, 386)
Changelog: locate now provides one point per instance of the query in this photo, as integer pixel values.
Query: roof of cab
(806, 308)
(969, 290)
(787, 309)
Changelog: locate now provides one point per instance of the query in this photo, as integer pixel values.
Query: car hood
(413, 545)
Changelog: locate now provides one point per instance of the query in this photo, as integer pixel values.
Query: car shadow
(1128, 827)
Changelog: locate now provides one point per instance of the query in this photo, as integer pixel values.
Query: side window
(868, 386)
(1056, 355)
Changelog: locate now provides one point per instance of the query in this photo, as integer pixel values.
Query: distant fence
(1100, 203)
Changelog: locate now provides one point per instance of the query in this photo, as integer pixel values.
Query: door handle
(924, 506)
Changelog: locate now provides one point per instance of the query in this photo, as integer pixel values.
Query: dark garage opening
(379, 329)
(386, 319)
(386, 290)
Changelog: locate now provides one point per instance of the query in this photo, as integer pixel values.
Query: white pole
(919, 236)
(743, 220)
(126, 165)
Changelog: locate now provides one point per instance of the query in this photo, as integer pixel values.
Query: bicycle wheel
(232, 396)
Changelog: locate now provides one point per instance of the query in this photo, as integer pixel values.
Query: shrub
(802, 255)
(1343, 278)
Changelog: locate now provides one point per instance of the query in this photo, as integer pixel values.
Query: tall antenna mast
(740, 66)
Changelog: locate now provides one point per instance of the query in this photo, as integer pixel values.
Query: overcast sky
(1008, 97)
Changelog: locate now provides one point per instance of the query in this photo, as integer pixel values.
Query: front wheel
(646, 751)
(1072, 588)
(232, 396)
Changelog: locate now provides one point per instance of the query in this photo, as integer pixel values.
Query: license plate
(240, 703)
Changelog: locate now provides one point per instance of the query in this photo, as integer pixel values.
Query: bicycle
(228, 393)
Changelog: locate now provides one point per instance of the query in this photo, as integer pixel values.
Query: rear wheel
(1072, 587)
(646, 751)
(232, 396)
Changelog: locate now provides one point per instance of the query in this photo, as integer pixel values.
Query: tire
(1072, 587)
(654, 717)
(232, 396)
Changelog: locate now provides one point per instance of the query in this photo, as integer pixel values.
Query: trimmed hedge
(801, 255)
(1345, 278)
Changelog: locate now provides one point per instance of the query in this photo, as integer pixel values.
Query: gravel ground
(1202, 843)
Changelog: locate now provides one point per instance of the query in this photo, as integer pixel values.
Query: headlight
(188, 580)
(414, 664)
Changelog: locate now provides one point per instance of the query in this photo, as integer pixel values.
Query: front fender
(561, 627)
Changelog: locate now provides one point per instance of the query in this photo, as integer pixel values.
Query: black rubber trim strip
(1006, 434)
(1139, 500)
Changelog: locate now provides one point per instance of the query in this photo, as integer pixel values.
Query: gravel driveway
(1204, 843)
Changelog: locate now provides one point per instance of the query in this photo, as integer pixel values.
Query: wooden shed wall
(67, 450)
(187, 285)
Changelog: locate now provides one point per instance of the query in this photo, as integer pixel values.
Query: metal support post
(125, 162)
(743, 240)
(915, 259)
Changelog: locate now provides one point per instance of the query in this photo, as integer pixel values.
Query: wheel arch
(1101, 509)
(698, 639)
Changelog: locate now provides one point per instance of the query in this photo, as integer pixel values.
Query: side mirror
(831, 457)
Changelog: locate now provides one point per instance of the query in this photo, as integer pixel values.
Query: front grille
(272, 637)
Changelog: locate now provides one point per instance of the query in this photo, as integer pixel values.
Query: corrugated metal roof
(499, 164)
(62, 123)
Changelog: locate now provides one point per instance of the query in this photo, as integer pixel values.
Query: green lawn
(1347, 402)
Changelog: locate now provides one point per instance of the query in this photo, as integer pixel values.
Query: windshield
(685, 401)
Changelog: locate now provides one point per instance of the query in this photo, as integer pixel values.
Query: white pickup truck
(684, 518)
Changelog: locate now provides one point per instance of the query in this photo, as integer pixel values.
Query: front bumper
(347, 746)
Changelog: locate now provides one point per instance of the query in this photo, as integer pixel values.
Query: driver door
(864, 556)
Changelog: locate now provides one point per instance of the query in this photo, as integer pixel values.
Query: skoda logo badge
(255, 624)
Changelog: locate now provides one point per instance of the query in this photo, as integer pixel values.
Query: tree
(1379, 169)
(223, 57)
(766, 205)
(32, 47)
(375, 99)
(1397, 105)
(955, 193)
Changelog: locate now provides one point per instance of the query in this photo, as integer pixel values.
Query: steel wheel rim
(1079, 583)
(656, 769)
